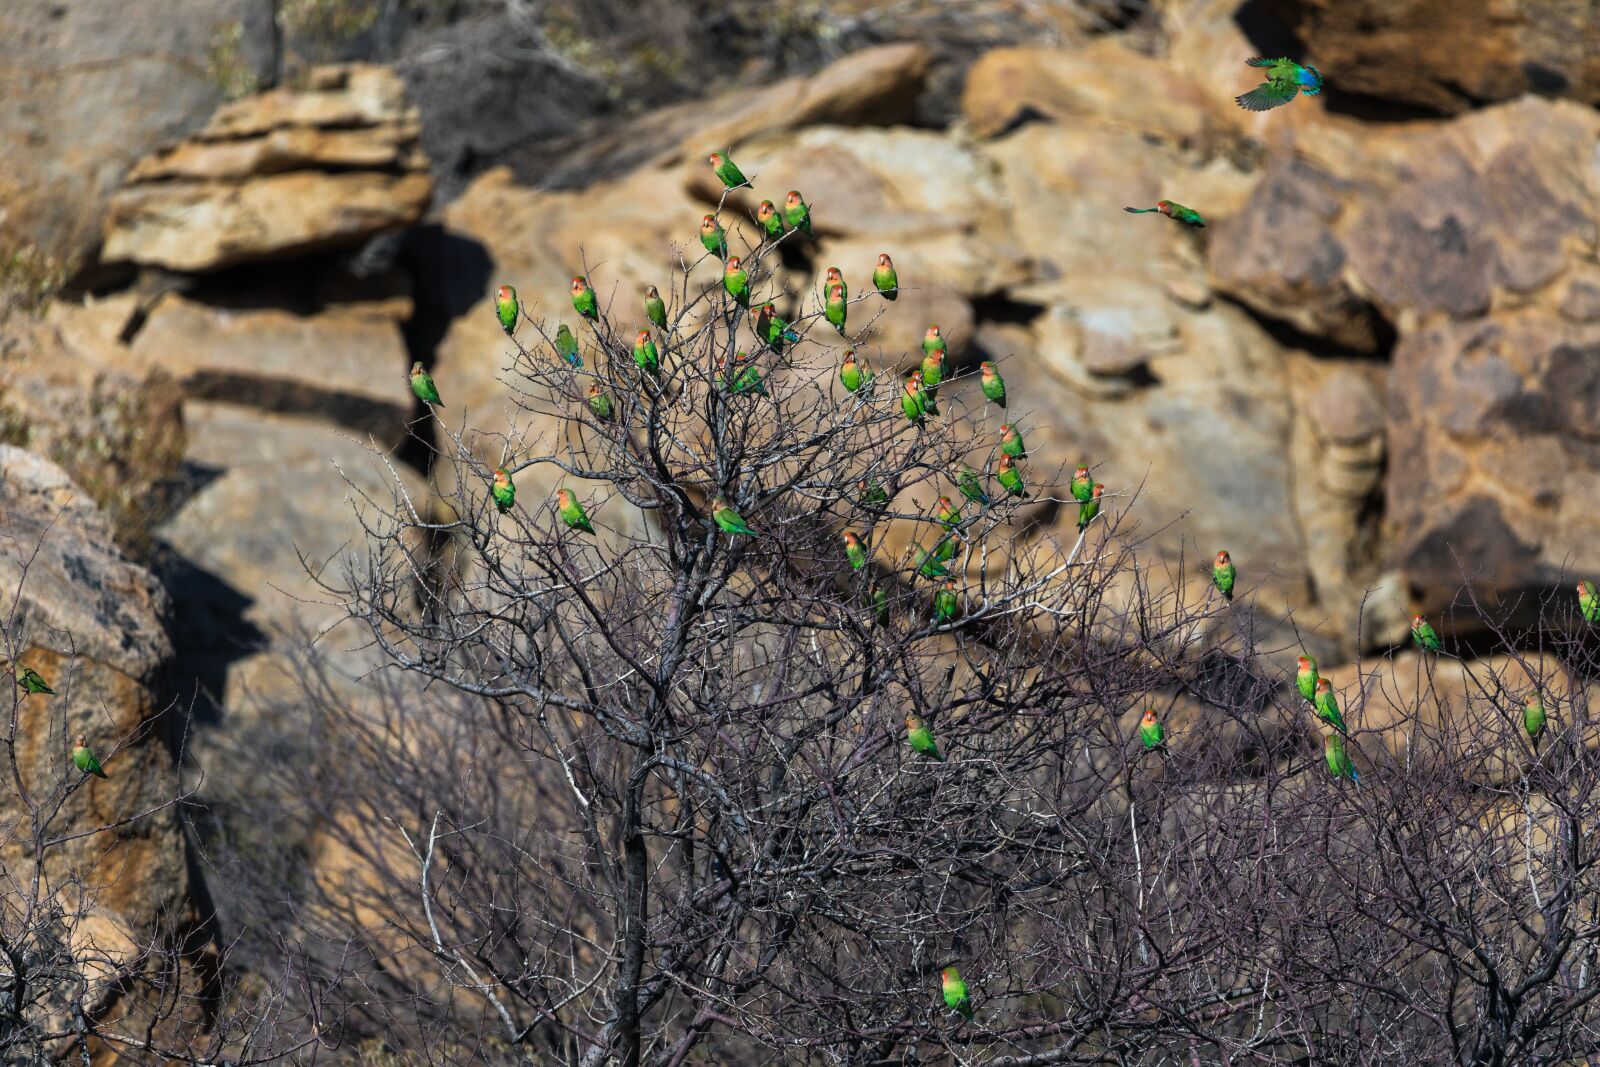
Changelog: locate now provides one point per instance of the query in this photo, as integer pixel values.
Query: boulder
(91, 88)
(282, 174)
(346, 363)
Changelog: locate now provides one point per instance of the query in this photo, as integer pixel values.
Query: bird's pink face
(1080, 474)
(933, 333)
(883, 260)
(987, 368)
(836, 290)
(715, 158)
(733, 263)
(1222, 559)
(834, 275)
(416, 368)
(564, 497)
(793, 199)
(644, 336)
(850, 357)
(1164, 205)
(1583, 588)
(766, 210)
(849, 538)
(1416, 620)
(1149, 718)
(944, 502)
(650, 293)
(594, 389)
(1305, 664)
(83, 741)
(504, 294)
(1098, 489)
(1324, 686)
(579, 283)
(708, 223)
(949, 974)
(916, 378)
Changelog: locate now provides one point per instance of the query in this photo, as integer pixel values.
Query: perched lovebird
(646, 355)
(929, 565)
(915, 401)
(504, 491)
(797, 213)
(746, 378)
(583, 300)
(1082, 485)
(852, 374)
(1533, 718)
(572, 512)
(1424, 635)
(1011, 442)
(971, 488)
(736, 281)
(599, 403)
(933, 341)
(1305, 679)
(947, 548)
(872, 494)
(884, 279)
(771, 220)
(772, 330)
(955, 992)
(945, 603)
(932, 374)
(728, 520)
(85, 760)
(422, 385)
(1089, 508)
(834, 277)
(1327, 705)
(714, 237)
(567, 346)
(920, 738)
(878, 598)
(994, 386)
(1151, 732)
(836, 309)
(1011, 480)
(505, 306)
(31, 681)
(853, 551)
(1172, 211)
(1223, 573)
(726, 169)
(947, 512)
(655, 308)
(1339, 764)
(1588, 602)
(1286, 79)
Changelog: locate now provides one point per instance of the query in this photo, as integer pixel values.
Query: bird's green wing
(1258, 61)
(1268, 95)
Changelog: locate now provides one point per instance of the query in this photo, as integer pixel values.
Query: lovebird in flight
(1176, 212)
(1286, 79)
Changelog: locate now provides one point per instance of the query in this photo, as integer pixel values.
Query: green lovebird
(85, 760)
(1533, 718)
(835, 277)
(1424, 635)
(583, 300)
(714, 237)
(853, 551)
(915, 401)
(1286, 79)
(1089, 508)
(726, 169)
(504, 491)
(728, 520)
(947, 548)
(933, 341)
(1339, 764)
(505, 306)
(1327, 705)
(994, 386)
(929, 565)
(770, 219)
(1151, 732)
(599, 403)
(955, 992)
(872, 495)
(945, 603)
(567, 346)
(572, 512)
(1082, 485)
(1011, 442)
(422, 385)
(772, 330)
(852, 374)
(947, 513)
(1172, 211)
(1588, 602)
(655, 308)
(646, 355)
(971, 488)
(920, 738)
(1305, 679)
(878, 599)
(1011, 480)
(748, 378)
(836, 309)
(796, 213)
(884, 279)
(932, 374)
(736, 282)
(32, 682)
(1223, 573)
